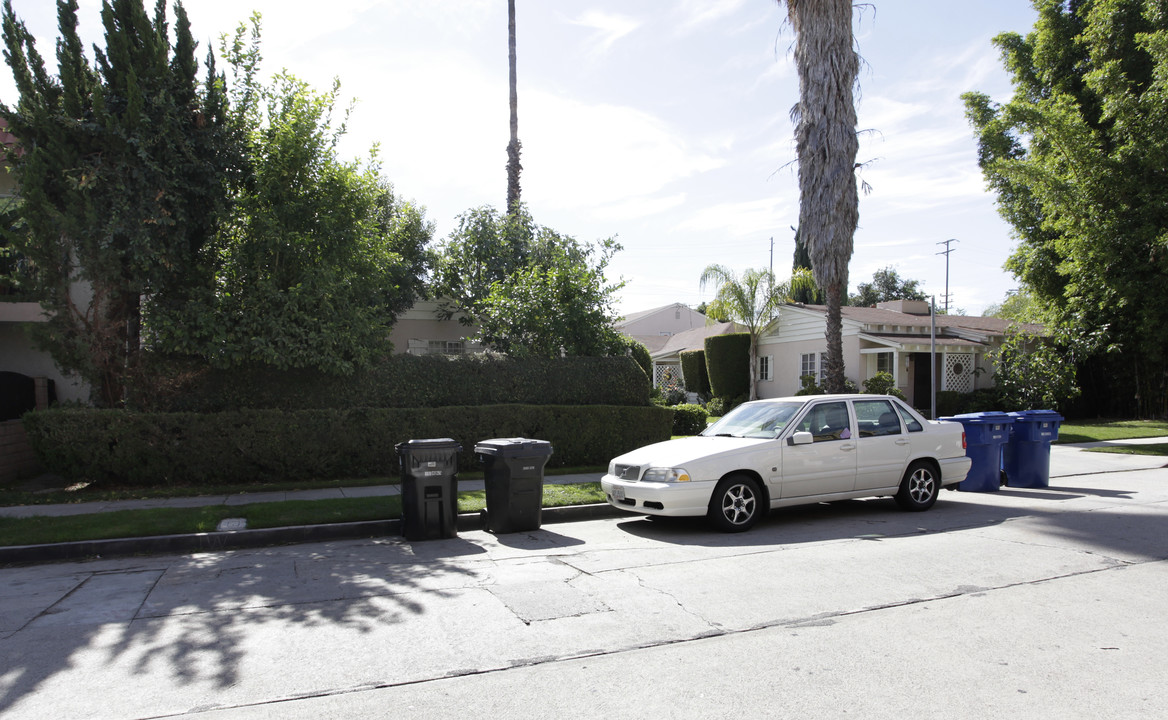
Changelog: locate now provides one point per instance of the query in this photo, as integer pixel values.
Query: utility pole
(772, 254)
(946, 252)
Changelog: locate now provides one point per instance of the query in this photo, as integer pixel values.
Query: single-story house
(893, 337)
(423, 330)
(667, 361)
(653, 328)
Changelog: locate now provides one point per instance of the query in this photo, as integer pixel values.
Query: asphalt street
(1025, 603)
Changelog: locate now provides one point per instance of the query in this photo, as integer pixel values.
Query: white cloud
(609, 28)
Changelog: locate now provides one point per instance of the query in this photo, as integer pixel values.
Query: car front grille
(627, 472)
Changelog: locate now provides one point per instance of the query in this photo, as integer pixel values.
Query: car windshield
(755, 420)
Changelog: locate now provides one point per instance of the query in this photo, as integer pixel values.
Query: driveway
(1022, 603)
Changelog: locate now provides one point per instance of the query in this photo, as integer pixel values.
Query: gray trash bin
(514, 482)
(429, 489)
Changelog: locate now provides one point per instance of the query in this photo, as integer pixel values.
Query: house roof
(692, 339)
(884, 316)
(903, 341)
(633, 317)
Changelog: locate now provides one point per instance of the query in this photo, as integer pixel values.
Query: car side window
(829, 421)
(876, 418)
(910, 422)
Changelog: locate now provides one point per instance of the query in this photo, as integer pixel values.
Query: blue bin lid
(1037, 416)
(992, 417)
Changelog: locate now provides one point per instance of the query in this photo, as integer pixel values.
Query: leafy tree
(1032, 373)
(321, 255)
(561, 304)
(1019, 306)
(752, 300)
(486, 247)
(886, 285)
(826, 146)
(1079, 161)
(122, 167)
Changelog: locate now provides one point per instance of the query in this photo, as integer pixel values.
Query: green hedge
(159, 449)
(399, 381)
(727, 362)
(693, 369)
(689, 419)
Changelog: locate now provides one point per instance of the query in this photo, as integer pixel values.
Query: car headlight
(670, 475)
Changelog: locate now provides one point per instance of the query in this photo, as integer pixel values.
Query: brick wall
(17, 460)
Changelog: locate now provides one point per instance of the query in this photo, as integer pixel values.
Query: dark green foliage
(693, 370)
(808, 294)
(1032, 374)
(159, 449)
(882, 383)
(886, 285)
(122, 167)
(728, 364)
(808, 386)
(531, 290)
(638, 352)
(402, 381)
(1078, 158)
(689, 419)
(951, 403)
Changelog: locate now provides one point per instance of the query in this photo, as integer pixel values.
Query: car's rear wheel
(919, 488)
(736, 505)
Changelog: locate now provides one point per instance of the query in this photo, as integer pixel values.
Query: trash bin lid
(429, 444)
(1037, 416)
(514, 447)
(990, 417)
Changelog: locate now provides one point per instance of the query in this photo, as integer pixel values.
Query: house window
(809, 366)
(765, 363)
(884, 362)
(444, 347)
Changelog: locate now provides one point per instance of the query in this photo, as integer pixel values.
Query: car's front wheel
(919, 488)
(736, 505)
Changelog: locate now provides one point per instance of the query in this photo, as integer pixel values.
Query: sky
(662, 123)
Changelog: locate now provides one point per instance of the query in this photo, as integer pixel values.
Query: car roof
(815, 398)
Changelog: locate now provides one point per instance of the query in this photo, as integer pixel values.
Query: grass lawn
(174, 521)
(1134, 449)
(1096, 431)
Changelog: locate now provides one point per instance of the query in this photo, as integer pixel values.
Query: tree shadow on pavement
(190, 617)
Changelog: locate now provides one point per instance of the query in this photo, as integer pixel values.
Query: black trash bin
(514, 482)
(429, 488)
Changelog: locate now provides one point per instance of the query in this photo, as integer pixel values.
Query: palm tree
(752, 301)
(826, 145)
(513, 166)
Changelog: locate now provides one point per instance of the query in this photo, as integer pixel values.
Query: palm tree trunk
(826, 146)
(513, 166)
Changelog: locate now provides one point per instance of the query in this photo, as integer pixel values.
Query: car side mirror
(801, 438)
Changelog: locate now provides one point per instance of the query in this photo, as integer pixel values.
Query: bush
(689, 419)
(716, 407)
(883, 383)
(398, 381)
(728, 363)
(162, 449)
(674, 396)
(693, 370)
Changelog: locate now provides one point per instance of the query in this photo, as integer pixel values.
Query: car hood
(687, 451)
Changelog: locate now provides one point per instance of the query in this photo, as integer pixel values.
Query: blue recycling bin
(986, 433)
(1027, 455)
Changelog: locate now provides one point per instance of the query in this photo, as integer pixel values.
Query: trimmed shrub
(693, 370)
(728, 363)
(161, 449)
(689, 419)
(399, 381)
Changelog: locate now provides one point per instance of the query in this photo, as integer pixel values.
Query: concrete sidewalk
(366, 491)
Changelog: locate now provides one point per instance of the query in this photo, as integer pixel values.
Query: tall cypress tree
(122, 169)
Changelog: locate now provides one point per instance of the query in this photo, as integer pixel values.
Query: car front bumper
(686, 499)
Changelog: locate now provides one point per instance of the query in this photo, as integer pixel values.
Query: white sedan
(792, 451)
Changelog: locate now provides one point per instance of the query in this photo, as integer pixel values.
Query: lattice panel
(667, 377)
(959, 372)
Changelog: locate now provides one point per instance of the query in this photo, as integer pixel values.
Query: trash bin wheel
(736, 504)
(918, 489)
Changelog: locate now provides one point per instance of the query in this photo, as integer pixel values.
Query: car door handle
(847, 447)
(902, 441)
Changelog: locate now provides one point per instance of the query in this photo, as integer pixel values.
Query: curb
(245, 539)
